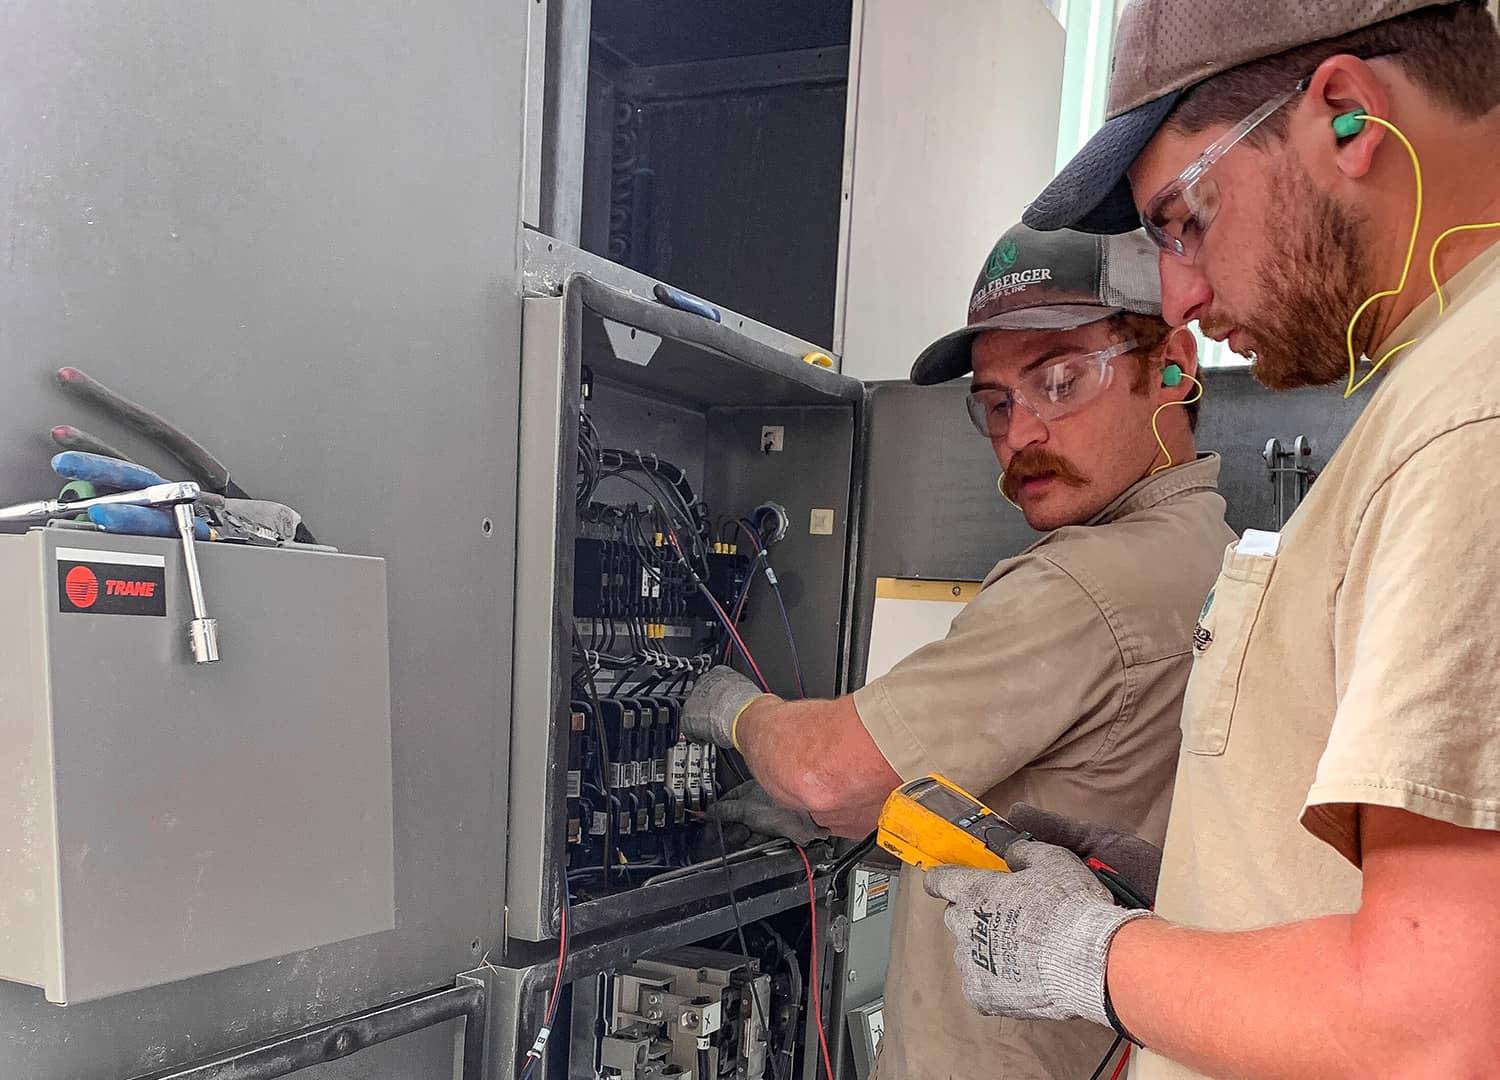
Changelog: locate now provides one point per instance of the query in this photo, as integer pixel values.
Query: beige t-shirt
(1360, 663)
(1060, 685)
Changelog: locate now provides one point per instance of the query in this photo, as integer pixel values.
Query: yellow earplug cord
(1197, 397)
(1411, 249)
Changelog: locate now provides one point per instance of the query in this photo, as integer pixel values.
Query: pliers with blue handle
(202, 466)
(112, 474)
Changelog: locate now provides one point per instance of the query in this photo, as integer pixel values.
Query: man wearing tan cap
(1061, 682)
(1327, 903)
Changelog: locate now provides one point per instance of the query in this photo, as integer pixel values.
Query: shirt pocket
(1219, 644)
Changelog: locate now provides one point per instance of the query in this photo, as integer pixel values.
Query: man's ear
(1345, 86)
(1181, 349)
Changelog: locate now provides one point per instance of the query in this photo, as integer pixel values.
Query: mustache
(1029, 464)
(1214, 327)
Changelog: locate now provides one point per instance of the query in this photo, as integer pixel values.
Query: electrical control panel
(690, 1012)
(664, 536)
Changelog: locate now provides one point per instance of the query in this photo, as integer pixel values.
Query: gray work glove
(1137, 861)
(1032, 943)
(750, 806)
(709, 713)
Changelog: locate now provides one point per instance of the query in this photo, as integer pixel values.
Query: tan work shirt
(1359, 664)
(1060, 685)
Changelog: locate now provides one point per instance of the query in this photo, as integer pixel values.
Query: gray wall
(932, 510)
(292, 227)
(1239, 416)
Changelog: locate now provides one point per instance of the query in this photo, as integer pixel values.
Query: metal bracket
(631, 344)
(287, 1054)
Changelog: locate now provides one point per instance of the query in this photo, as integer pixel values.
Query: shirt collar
(1456, 289)
(1200, 474)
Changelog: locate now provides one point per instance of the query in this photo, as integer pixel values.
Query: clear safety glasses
(1179, 214)
(1056, 389)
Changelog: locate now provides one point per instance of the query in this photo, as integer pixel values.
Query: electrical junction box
(159, 818)
(607, 795)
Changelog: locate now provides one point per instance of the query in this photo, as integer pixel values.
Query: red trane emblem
(82, 587)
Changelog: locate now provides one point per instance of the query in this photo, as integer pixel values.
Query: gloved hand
(1138, 861)
(750, 806)
(1032, 943)
(717, 700)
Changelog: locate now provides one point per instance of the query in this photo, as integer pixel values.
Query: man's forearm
(816, 756)
(1302, 1000)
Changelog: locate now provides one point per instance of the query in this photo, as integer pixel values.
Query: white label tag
(575, 783)
(679, 770)
(1257, 542)
(124, 558)
(600, 824)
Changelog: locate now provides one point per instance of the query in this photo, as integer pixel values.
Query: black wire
(1107, 1057)
(603, 741)
(739, 929)
(764, 553)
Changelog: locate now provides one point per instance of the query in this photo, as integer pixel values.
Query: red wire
(738, 611)
(728, 623)
(562, 952)
(1120, 1068)
(812, 905)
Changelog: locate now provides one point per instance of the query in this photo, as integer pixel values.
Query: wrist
(1083, 978)
(737, 729)
(1128, 939)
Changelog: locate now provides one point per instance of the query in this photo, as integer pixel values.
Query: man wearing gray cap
(1323, 181)
(1061, 682)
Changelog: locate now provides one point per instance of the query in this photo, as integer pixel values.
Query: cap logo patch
(1002, 258)
(1008, 285)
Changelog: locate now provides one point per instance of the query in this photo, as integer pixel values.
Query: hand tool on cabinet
(269, 520)
(203, 632)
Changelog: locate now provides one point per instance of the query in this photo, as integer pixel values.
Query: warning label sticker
(110, 583)
(872, 894)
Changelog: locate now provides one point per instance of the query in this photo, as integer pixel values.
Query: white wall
(954, 110)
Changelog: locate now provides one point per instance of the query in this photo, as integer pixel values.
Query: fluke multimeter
(934, 822)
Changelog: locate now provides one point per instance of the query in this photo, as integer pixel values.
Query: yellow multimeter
(934, 822)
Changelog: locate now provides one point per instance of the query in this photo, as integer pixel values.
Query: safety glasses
(1179, 214)
(1049, 392)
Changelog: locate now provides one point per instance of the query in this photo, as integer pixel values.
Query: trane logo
(130, 588)
(129, 583)
(82, 587)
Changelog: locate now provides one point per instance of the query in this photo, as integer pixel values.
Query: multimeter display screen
(948, 806)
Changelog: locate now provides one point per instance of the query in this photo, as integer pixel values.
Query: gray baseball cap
(1047, 281)
(1163, 48)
